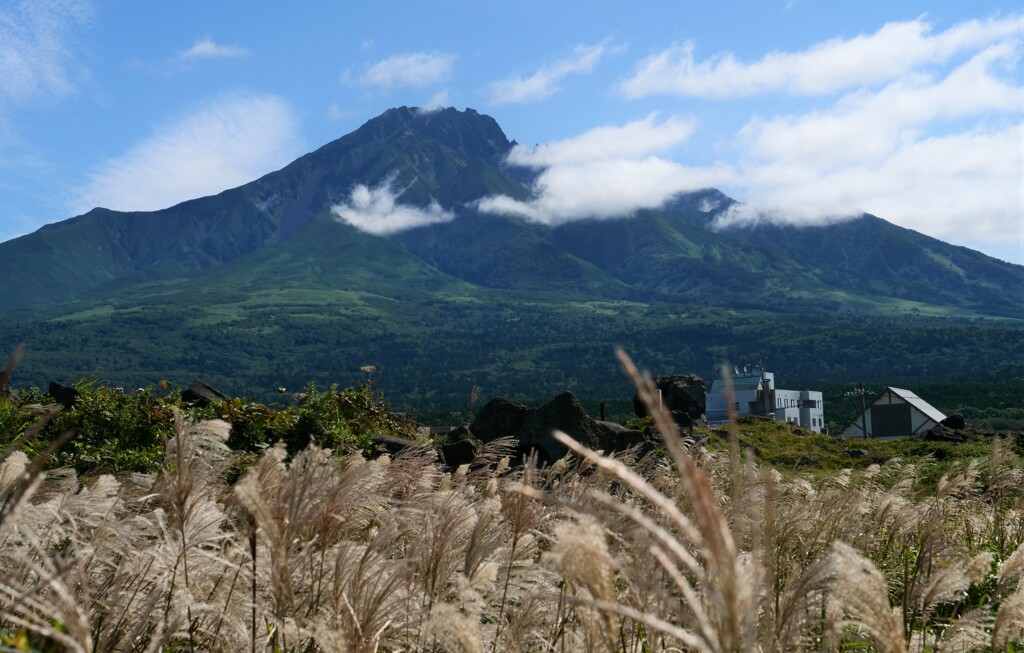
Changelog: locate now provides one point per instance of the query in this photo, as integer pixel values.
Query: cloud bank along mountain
(377, 211)
(607, 172)
(918, 124)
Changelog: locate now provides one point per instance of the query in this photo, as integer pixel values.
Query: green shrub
(118, 431)
(113, 430)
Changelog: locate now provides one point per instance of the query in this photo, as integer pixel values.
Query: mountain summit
(448, 160)
(302, 258)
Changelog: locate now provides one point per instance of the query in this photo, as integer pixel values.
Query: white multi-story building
(754, 393)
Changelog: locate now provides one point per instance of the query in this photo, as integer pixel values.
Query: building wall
(804, 408)
(812, 410)
(745, 390)
(917, 422)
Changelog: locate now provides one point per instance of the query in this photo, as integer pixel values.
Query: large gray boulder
(500, 418)
(537, 425)
(684, 396)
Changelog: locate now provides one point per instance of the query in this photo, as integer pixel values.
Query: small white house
(754, 393)
(896, 413)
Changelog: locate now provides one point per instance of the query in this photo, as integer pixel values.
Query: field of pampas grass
(677, 550)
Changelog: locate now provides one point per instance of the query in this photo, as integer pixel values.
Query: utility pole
(863, 412)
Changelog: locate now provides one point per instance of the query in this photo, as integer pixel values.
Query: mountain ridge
(456, 158)
(264, 281)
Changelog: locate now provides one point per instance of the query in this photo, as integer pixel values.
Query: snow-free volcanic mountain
(270, 283)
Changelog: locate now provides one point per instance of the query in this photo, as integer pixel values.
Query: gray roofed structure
(738, 383)
(895, 413)
(920, 404)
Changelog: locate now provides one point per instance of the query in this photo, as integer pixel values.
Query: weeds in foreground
(691, 551)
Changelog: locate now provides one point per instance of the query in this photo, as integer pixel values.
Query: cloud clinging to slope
(607, 172)
(221, 144)
(896, 49)
(545, 82)
(377, 211)
(416, 69)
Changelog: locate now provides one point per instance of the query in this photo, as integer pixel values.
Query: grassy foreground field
(179, 531)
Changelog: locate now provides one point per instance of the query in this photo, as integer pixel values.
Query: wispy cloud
(606, 172)
(437, 101)
(377, 211)
(545, 82)
(206, 48)
(417, 70)
(221, 144)
(36, 59)
(187, 60)
(894, 50)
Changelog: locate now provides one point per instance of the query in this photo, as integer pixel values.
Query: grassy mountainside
(872, 256)
(444, 154)
(261, 286)
(456, 158)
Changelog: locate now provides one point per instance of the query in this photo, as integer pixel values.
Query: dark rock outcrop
(955, 421)
(460, 452)
(500, 418)
(200, 394)
(451, 454)
(533, 427)
(64, 395)
(391, 444)
(941, 433)
(684, 396)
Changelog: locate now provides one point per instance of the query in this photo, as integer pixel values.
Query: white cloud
(544, 83)
(865, 126)
(606, 172)
(939, 156)
(36, 55)
(416, 69)
(833, 65)
(205, 48)
(708, 206)
(632, 140)
(438, 101)
(377, 211)
(220, 145)
(955, 187)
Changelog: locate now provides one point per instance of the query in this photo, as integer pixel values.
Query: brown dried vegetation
(684, 551)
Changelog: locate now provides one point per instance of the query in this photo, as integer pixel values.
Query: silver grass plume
(861, 591)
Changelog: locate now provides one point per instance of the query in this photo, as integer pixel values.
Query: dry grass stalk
(623, 552)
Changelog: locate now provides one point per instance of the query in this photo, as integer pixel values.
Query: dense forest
(430, 355)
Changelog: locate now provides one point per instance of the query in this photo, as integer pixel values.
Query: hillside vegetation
(264, 286)
(432, 353)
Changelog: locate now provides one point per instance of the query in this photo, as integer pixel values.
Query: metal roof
(739, 383)
(931, 411)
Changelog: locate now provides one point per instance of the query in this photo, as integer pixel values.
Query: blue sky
(806, 111)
